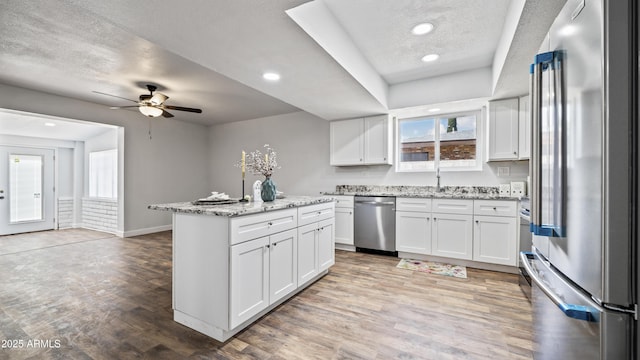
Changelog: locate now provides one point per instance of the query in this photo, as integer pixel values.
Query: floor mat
(433, 268)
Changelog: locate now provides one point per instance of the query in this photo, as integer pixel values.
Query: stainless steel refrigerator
(583, 181)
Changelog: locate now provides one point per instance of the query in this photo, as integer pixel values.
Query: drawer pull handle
(270, 223)
(274, 244)
(268, 246)
(494, 208)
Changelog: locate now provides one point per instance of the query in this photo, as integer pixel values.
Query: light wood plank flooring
(100, 297)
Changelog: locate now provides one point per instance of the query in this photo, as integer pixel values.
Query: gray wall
(301, 141)
(172, 166)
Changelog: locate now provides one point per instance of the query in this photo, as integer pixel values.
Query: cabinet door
(346, 142)
(376, 140)
(344, 226)
(307, 253)
(503, 129)
(249, 280)
(413, 232)
(283, 264)
(452, 236)
(524, 129)
(494, 240)
(326, 252)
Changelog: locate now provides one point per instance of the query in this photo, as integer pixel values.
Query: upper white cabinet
(524, 128)
(362, 141)
(503, 129)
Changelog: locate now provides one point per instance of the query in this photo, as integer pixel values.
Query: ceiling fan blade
(167, 114)
(123, 107)
(180, 108)
(116, 96)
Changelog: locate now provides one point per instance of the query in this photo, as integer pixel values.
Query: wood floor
(88, 295)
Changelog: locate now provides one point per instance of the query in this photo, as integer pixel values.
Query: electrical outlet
(503, 171)
(505, 189)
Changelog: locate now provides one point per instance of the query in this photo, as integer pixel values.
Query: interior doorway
(27, 193)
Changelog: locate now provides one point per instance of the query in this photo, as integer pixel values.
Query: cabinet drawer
(413, 204)
(344, 201)
(495, 208)
(452, 206)
(314, 213)
(249, 227)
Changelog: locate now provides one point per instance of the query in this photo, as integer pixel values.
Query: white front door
(26, 190)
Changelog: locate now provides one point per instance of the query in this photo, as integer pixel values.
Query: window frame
(480, 140)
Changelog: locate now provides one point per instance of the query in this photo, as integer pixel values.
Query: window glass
(103, 174)
(454, 145)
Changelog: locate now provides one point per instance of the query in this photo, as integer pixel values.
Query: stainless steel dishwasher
(375, 223)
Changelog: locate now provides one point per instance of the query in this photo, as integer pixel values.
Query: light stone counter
(447, 192)
(238, 209)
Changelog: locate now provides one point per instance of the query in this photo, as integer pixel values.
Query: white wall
(301, 141)
(172, 166)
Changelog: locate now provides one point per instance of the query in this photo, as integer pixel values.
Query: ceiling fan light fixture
(150, 111)
(158, 99)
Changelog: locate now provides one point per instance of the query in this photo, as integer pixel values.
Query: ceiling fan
(152, 105)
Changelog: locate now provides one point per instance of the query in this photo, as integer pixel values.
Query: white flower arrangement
(260, 164)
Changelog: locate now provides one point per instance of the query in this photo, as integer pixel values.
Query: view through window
(444, 141)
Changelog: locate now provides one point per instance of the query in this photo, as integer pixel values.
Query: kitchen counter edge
(239, 209)
(426, 195)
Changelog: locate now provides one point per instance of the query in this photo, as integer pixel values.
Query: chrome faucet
(438, 177)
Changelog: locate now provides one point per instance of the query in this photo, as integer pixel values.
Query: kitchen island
(234, 263)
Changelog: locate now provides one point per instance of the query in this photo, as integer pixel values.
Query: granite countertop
(238, 209)
(447, 192)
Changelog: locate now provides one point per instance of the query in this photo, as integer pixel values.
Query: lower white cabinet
(413, 232)
(249, 280)
(315, 249)
(344, 220)
(263, 271)
(228, 271)
(494, 240)
(452, 236)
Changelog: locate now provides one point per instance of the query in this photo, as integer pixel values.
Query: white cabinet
(413, 232)
(344, 220)
(452, 236)
(503, 129)
(413, 225)
(377, 141)
(495, 235)
(315, 249)
(263, 271)
(494, 240)
(362, 141)
(524, 128)
(249, 280)
(283, 265)
(228, 271)
(479, 230)
(347, 142)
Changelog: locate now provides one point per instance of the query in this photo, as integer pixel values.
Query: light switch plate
(505, 190)
(518, 189)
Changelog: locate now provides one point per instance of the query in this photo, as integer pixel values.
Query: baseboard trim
(145, 231)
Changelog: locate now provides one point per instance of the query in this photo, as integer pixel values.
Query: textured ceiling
(463, 35)
(211, 54)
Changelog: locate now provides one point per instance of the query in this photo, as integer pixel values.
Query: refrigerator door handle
(549, 61)
(578, 312)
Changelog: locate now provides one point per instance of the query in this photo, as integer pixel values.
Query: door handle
(1, 197)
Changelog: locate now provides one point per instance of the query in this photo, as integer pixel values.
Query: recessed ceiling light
(434, 109)
(49, 124)
(422, 29)
(271, 76)
(430, 57)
